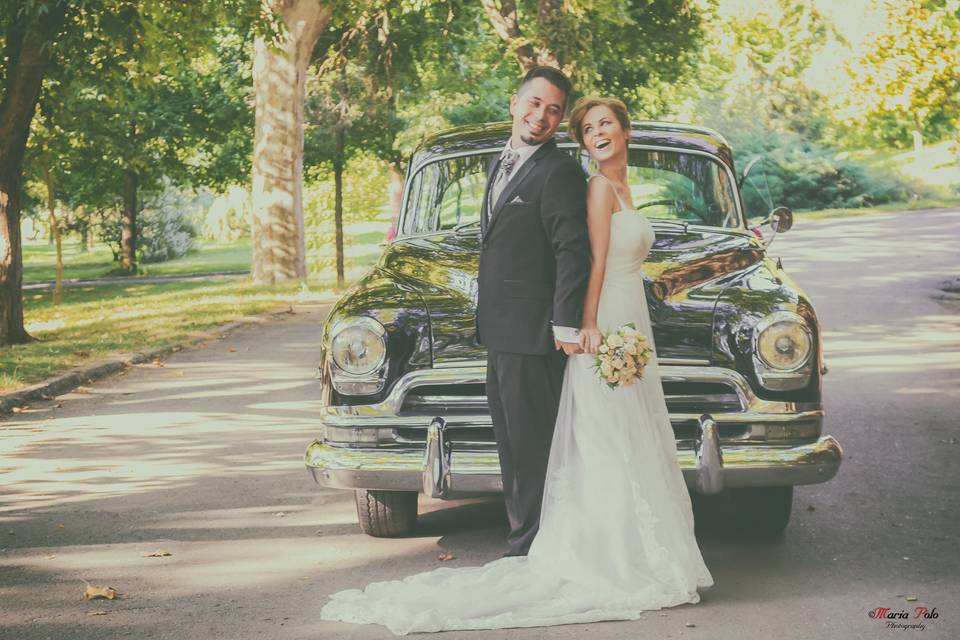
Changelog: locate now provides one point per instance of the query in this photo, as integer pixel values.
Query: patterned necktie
(507, 160)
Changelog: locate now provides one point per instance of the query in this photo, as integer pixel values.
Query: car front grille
(686, 401)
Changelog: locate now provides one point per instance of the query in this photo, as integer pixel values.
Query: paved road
(201, 459)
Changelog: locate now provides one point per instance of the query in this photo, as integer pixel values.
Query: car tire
(760, 511)
(386, 514)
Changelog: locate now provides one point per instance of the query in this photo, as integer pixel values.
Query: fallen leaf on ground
(179, 374)
(158, 362)
(159, 553)
(911, 598)
(231, 349)
(689, 624)
(96, 613)
(445, 556)
(811, 508)
(21, 409)
(60, 525)
(93, 592)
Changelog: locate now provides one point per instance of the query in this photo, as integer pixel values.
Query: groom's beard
(531, 141)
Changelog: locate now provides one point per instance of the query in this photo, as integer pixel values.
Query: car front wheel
(754, 511)
(386, 514)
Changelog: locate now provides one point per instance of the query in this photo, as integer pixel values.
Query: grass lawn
(915, 205)
(39, 260)
(936, 167)
(96, 321)
(363, 247)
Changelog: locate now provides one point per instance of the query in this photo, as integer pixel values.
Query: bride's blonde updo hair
(584, 104)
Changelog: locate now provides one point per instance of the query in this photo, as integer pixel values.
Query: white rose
(603, 348)
(616, 363)
(606, 369)
(630, 348)
(628, 332)
(615, 341)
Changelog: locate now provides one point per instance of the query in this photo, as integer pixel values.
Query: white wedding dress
(616, 530)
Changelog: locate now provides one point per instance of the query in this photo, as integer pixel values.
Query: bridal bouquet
(622, 356)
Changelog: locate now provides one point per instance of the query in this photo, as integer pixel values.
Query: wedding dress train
(616, 530)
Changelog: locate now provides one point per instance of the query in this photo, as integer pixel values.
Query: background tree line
(145, 123)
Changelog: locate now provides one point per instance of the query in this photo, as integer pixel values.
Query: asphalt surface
(202, 459)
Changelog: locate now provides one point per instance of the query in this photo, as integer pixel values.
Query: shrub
(807, 175)
(165, 234)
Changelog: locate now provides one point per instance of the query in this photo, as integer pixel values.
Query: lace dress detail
(616, 532)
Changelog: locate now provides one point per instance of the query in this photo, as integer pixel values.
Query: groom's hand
(569, 348)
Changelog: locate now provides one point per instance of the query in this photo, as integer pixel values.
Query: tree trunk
(503, 18)
(338, 163)
(917, 134)
(128, 232)
(55, 232)
(396, 201)
(27, 43)
(88, 233)
(279, 93)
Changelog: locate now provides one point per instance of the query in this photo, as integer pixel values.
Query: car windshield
(668, 185)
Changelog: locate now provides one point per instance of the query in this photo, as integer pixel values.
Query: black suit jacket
(534, 254)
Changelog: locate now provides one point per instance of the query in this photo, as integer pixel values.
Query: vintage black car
(402, 376)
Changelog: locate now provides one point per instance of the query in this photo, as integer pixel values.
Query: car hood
(685, 273)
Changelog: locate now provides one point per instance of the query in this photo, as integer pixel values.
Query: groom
(534, 265)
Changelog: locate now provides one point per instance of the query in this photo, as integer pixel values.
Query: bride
(616, 528)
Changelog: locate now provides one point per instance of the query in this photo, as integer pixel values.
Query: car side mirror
(781, 219)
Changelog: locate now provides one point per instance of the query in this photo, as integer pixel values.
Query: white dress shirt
(563, 334)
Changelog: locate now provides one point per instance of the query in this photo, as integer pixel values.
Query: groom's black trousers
(523, 392)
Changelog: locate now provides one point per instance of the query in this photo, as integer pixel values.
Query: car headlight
(783, 346)
(358, 352)
(359, 345)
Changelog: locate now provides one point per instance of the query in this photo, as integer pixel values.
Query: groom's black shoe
(513, 553)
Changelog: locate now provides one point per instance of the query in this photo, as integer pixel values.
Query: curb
(66, 382)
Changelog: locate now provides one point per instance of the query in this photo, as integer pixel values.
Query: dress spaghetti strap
(616, 195)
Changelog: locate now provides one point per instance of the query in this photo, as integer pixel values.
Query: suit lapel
(516, 180)
(491, 172)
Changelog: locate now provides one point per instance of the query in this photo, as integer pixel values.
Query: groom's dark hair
(552, 75)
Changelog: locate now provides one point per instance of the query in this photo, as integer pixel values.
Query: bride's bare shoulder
(600, 195)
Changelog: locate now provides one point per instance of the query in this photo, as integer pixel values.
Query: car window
(664, 184)
(446, 194)
(675, 185)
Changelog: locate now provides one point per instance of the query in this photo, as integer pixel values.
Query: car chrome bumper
(475, 471)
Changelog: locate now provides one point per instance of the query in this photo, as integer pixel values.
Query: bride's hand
(590, 339)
